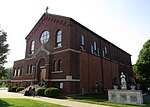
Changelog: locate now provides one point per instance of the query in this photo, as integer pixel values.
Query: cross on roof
(47, 9)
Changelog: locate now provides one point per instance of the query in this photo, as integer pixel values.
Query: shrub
(13, 89)
(40, 91)
(9, 89)
(20, 89)
(52, 92)
(6, 85)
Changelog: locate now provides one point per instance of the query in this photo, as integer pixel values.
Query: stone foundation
(125, 96)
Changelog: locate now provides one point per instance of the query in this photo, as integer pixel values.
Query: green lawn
(102, 100)
(99, 102)
(17, 102)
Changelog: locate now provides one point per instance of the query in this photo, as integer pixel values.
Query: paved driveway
(65, 102)
(5, 94)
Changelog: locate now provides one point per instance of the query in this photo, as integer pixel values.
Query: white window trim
(56, 72)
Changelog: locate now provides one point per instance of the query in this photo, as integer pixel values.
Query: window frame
(44, 38)
(59, 38)
(21, 71)
(18, 73)
(95, 46)
(92, 52)
(28, 69)
(32, 47)
(59, 65)
(31, 69)
(15, 71)
(55, 66)
(83, 40)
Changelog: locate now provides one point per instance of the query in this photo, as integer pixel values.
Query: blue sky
(125, 23)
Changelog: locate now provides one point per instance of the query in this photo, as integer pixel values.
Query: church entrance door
(41, 71)
(42, 74)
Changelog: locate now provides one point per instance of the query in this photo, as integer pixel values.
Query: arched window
(31, 69)
(15, 71)
(55, 65)
(44, 37)
(82, 41)
(92, 49)
(32, 47)
(59, 65)
(95, 46)
(21, 70)
(59, 39)
(105, 50)
(18, 72)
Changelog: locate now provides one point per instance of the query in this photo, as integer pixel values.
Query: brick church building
(69, 56)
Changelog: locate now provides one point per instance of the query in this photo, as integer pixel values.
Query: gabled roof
(44, 15)
(68, 18)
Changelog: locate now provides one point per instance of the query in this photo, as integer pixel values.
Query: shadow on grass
(4, 104)
(100, 100)
(85, 97)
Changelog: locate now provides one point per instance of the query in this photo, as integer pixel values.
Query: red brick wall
(115, 71)
(52, 24)
(90, 72)
(95, 72)
(107, 74)
(84, 73)
(80, 64)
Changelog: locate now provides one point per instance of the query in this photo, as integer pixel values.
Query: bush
(9, 89)
(20, 89)
(40, 91)
(13, 89)
(6, 85)
(52, 92)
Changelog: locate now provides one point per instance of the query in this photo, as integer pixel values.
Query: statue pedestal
(125, 96)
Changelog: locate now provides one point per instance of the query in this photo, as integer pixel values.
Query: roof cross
(47, 9)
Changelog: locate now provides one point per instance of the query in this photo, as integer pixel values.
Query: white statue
(123, 81)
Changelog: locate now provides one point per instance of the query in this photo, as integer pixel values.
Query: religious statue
(123, 81)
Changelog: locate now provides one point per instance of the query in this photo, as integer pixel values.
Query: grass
(99, 100)
(102, 100)
(17, 102)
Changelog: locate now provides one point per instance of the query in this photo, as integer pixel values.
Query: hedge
(51, 92)
(40, 91)
(13, 89)
(20, 89)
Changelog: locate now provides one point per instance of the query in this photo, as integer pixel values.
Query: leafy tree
(142, 66)
(3, 73)
(6, 73)
(3, 52)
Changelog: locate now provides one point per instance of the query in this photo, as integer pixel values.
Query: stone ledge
(125, 96)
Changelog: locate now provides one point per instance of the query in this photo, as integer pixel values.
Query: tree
(142, 66)
(3, 51)
(3, 73)
(6, 74)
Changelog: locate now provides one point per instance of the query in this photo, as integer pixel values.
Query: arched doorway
(41, 70)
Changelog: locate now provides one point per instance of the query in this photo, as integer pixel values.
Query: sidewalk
(65, 102)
